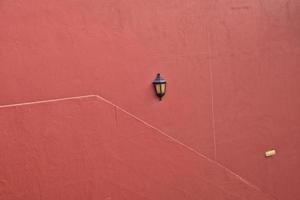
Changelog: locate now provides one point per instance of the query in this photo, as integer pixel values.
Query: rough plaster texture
(232, 69)
(87, 148)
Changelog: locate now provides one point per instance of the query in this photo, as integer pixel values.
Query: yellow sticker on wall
(270, 153)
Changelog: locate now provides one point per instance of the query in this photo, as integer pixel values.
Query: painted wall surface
(87, 148)
(232, 68)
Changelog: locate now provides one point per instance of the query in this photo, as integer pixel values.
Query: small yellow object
(270, 153)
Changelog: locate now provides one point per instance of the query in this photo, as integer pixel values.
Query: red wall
(86, 148)
(232, 69)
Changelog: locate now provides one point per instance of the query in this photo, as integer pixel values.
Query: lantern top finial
(159, 79)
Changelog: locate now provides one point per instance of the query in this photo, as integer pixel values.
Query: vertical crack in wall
(210, 57)
(116, 115)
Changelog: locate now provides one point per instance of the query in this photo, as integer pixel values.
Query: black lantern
(160, 86)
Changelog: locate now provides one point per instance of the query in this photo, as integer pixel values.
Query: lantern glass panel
(158, 88)
(163, 88)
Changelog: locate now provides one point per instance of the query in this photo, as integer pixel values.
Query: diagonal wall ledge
(86, 147)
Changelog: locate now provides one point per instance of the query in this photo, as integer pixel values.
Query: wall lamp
(160, 85)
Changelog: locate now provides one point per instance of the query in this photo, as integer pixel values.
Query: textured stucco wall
(232, 69)
(88, 148)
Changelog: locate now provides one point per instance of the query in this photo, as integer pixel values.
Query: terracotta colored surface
(232, 69)
(88, 149)
(256, 92)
